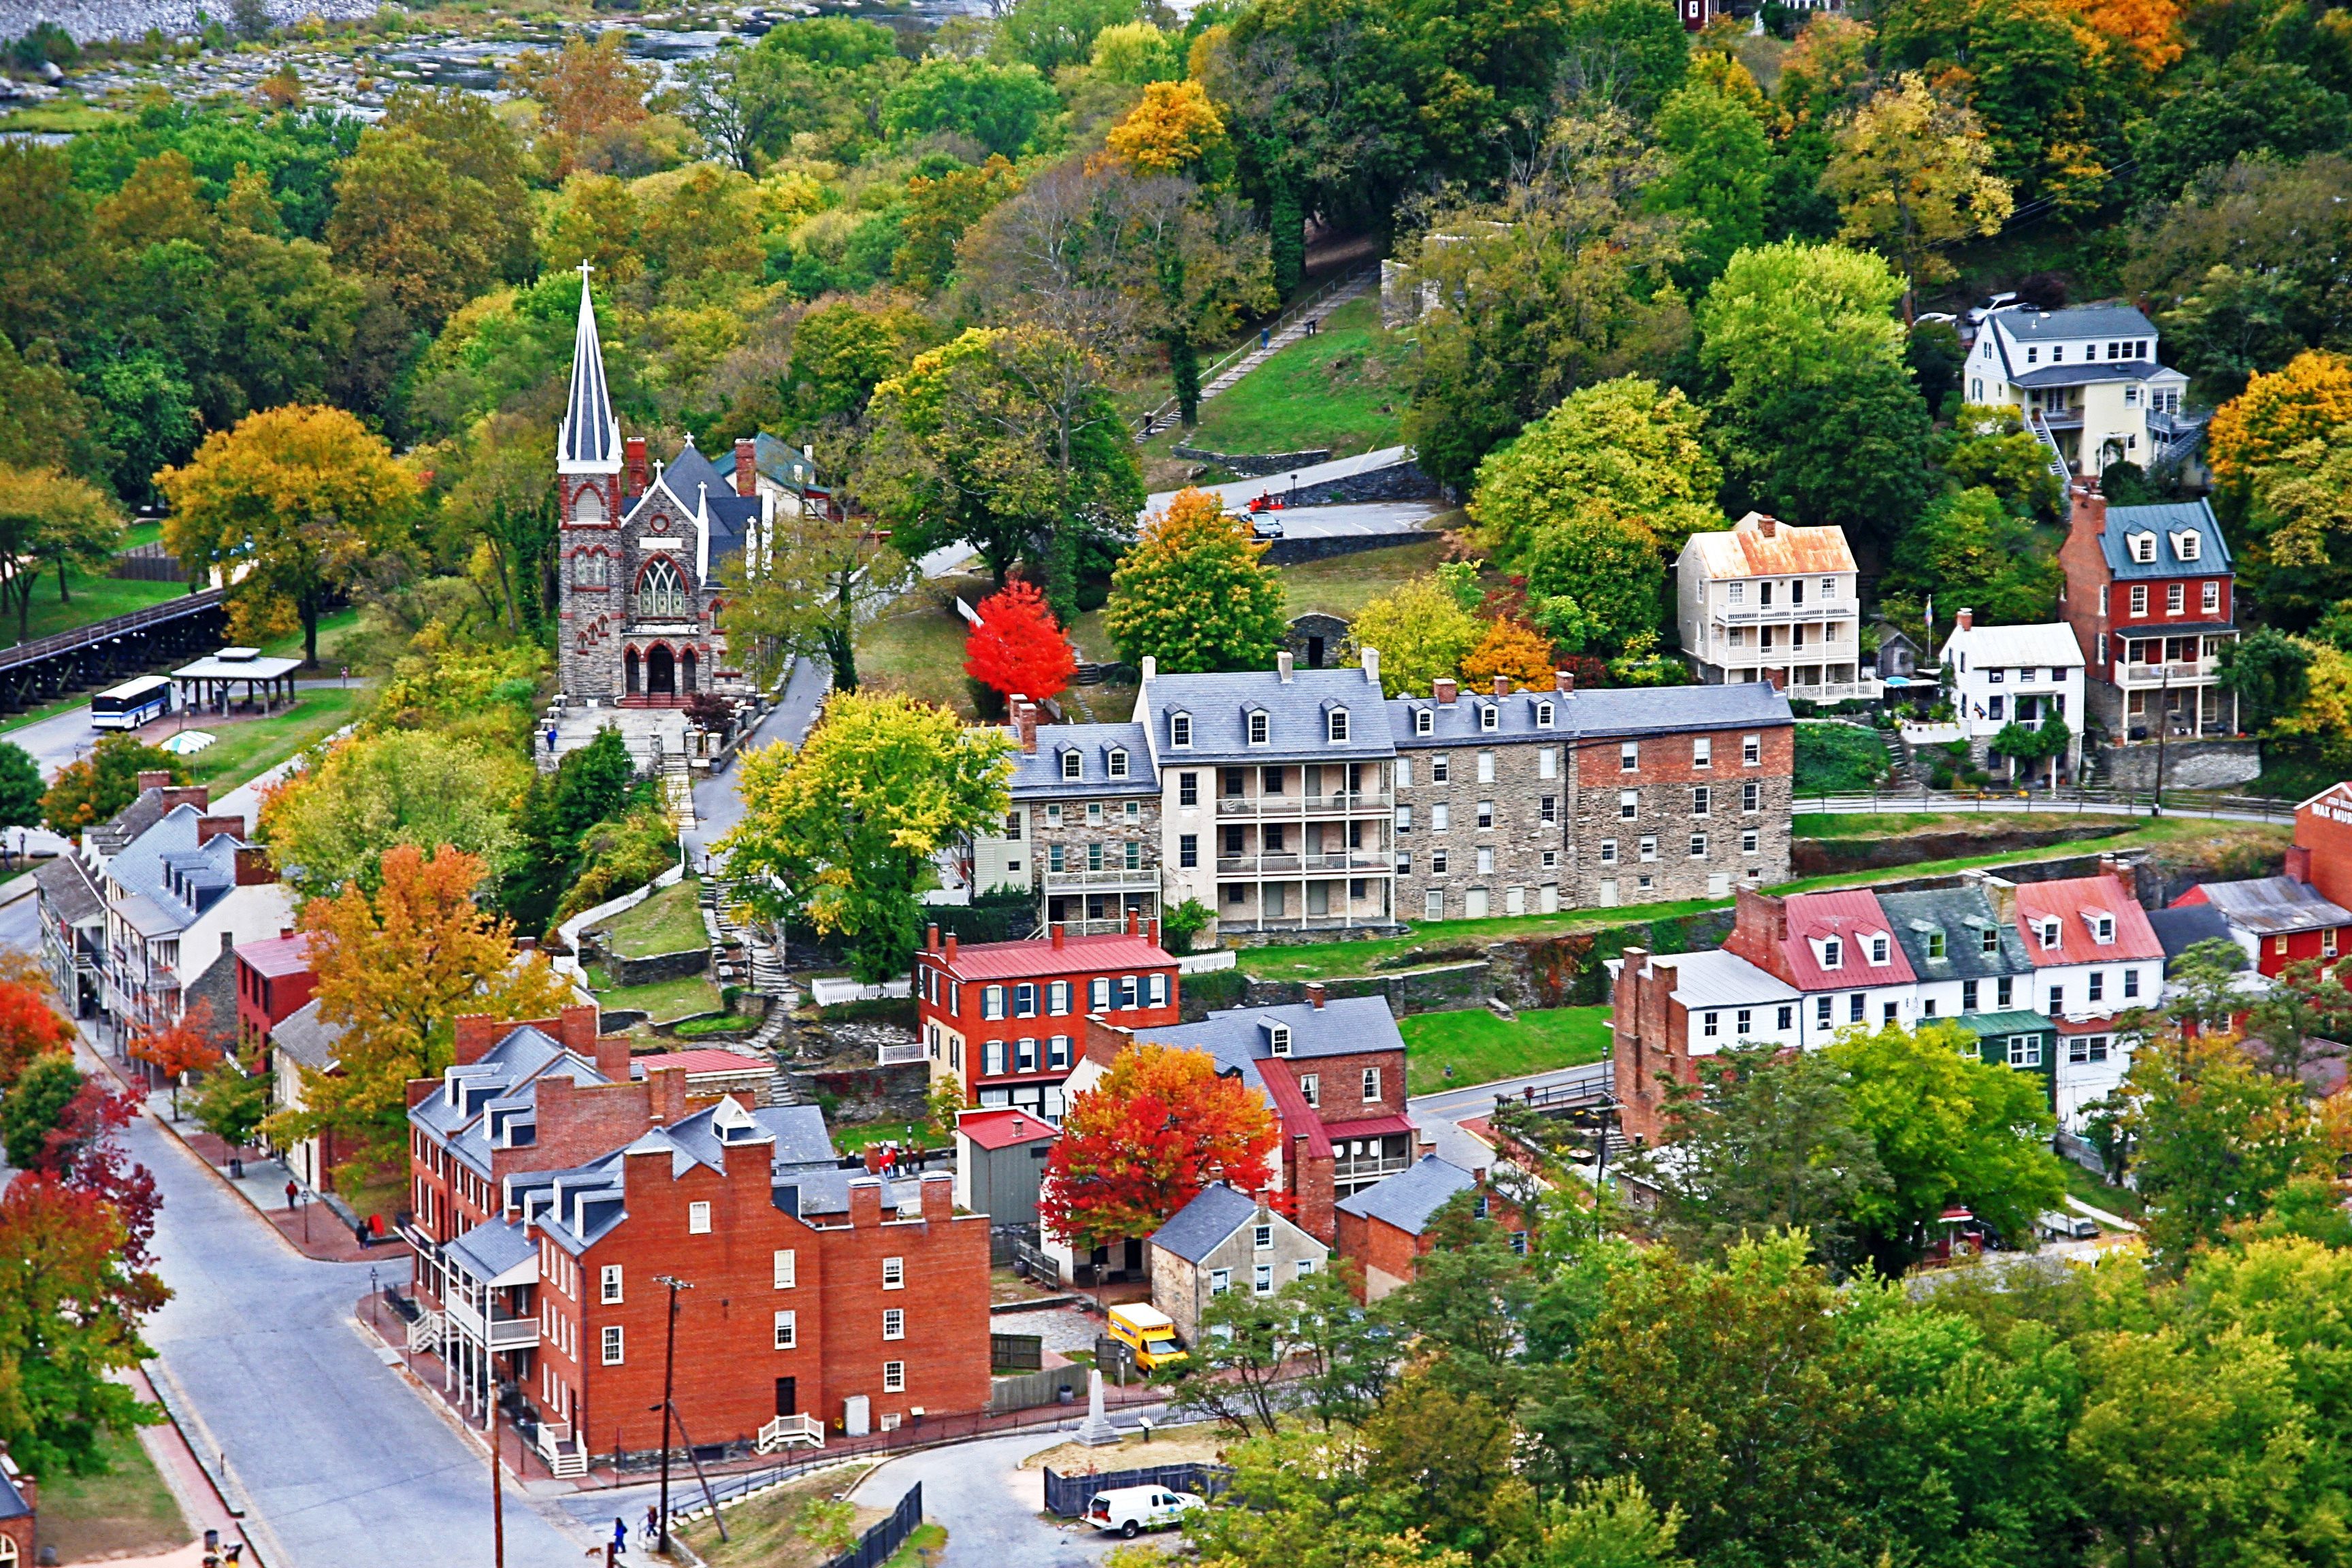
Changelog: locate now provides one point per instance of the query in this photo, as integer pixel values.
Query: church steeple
(589, 440)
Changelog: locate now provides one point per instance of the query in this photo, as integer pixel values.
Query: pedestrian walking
(291, 1192)
(653, 1523)
(1265, 337)
(620, 1534)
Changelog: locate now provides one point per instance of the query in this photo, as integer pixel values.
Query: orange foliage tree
(395, 969)
(178, 1048)
(1512, 648)
(29, 1027)
(1142, 1144)
(2308, 399)
(1174, 129)
(1018, 645)
(2150, 29)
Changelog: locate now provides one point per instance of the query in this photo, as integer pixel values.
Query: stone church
(642, 552)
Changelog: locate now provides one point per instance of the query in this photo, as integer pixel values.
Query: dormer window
(1423, 721)
(1490, 716)
(1277, 1039)
(1878, 949)
(1259, 727)
(1180, 728)
(1832, 954)
(1543, 715)
(1072, 765)
(1114, 763)
(2143, 548)
(1335, 725)
(2050, 935)
(2102, 924)
(2187, 544)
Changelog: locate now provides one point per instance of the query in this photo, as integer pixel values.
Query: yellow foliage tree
(1514, 649)
(2325, 719)
(1421, 631)
(2150, 29)
(1911, 175)
(1174, 130)
(2307, 400)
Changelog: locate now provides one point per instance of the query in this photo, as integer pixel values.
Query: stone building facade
(1482, 786)
(1688, 806)
(641, 552)
(1082, 828)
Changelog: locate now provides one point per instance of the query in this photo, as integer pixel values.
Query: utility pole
(498, 1492)
(669, 1367)
(2163, 722)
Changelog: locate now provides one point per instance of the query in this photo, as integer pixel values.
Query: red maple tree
(29, 1027)
(85, 1152)
(179, 1048)
(1018, 646)
(1142, 1143)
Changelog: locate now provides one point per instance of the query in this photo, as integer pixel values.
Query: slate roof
(2272, 906)
(1295, 710)
(2028, 325)
(782, 462)
(1201, 1225)
(2184, 926)
(1594, 712)
(2164, 520)
(307, 1039)
(111, 837)
(2069, 898)
(168, 879)
(589, 439)
(2088, 371)
(694, 486)
(12, 1501)
(1963, 914)
(67, 892)
(1238, 1036)
(492, 1248)
(1412, 1197)
(1039, 774)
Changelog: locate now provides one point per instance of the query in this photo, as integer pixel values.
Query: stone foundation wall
(1833, 857)
(1254, 464)
(2187, 765)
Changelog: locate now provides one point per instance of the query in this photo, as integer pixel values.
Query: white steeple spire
(589, 440)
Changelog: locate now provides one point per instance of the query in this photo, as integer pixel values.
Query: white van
(1130, 1509)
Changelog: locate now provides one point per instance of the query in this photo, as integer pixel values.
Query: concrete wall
(1254, 464)
(2187, 765)
(1286, 551)
(1443, 989)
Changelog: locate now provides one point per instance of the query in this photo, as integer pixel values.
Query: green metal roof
(2006, 1023)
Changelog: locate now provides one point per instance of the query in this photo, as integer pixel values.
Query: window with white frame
(1258, 728)
(2025, 1050)
(1336, 724)
(1702, 801)
(894, 1322)
(1543, 715)
(1220, 1281)
(1649, 848)
(1073, 764)
(1702, 751)
(1440, 768)
(1305, 1267)
(2139, 599)
(1310, 1088)
(992, 1002)
(894, 1377)
(788, 1329)
(1261, 1237)
(2210, 598)
(1371, 1085)
(1423, 721)
(1608, 852)
(611, 1282)
(1486, 767)
(1486, 815)
(1698, 845)
(1057, 997)
(1751, 842)
(1262, 1279)
(1832, 954)
(1629, 805)
(1114, 763)
(698, 1219)
(894, 1273)
(611, 1344)
(1751, 751)
(1441, 818)
(2051, 933)
(787, 1268)
(1629, 755)
(1490, 716)
(1180, 729)
(1546, 762)
(1878, 949)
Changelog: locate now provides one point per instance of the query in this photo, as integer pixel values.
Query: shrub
(1838, 759)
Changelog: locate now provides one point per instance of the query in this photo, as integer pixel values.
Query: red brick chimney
(1443, 689)
(2123, 871)
(865, 1201)
(576, 1028)
(747, 482)
(938, 1198)
(633, 459)
(155, 778)
(931, 938)
(1315, 994)
(198, 796)
(1502, 685)
(475, 1034)
(1025, 722)
(1768, 526)
(254, 869)
(951, 947)
(2298, 863)
(1965, 619)
(1134, 923)
(667, 1101)
(1155, 930)
(609, 1052)
(211, 827)
(1564, 682)
(1056, 930)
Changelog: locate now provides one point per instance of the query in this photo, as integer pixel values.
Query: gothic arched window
(588, 506)
(588, 569)
(661, 592)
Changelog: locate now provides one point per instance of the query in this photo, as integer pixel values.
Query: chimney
(576, 1027)
(1282, 665)
(1155, 930)
(668, 1098)
(1768, 526)
(1371, 658)
(1025, 722)
(1315, 994)
(254, 869)
(747, 481)
(865, 1201)
(155, 778)
(1263, 1214)
(939, 1196)
(474, 1032)
(1564, 682)
(1134, 923)
(2298, 863)
(610, 1053)
(211, 827)
(1443, 689)
(1056, 928)
(951, 947)
(633, 459)
(2123, 871)
(931, 938)
(177, 795)
(1966, 619)
(1502, 685)
(285, 930)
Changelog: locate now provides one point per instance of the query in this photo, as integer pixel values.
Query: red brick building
(2300, 916)
(1385, 1229)
(1005, 1020)
(2322, 852)
(2151, 597)
(20, 1515)
(273, 978)
(553, 1188)
(1332, 1071)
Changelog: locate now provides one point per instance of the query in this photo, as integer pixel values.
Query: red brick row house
(557, 1184)
(2300, 915)
(1386, 1228)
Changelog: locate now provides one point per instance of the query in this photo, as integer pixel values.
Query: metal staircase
(2057, 464)
(424, 1333)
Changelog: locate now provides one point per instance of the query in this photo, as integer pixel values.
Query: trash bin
(235, 1168)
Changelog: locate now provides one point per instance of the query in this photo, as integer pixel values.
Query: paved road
(989, 1506)
(347, 1465)
(1440, 1115)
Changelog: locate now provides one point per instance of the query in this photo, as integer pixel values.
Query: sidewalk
(190, 1487)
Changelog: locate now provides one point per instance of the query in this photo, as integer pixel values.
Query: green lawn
(663, 1002)
(669, 922)
(1344, 389)
(126, 1511)
(1895, 824)
(1346, 584)
(2080, 1184)
(336, 628)
(249, 746)
(766, 1530)
(917, 645)
(1323, 960)
(1447, 1050)
(94, 599)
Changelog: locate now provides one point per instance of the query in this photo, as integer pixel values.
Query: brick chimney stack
(211, 827)
(254, 869)
(1025, 722)
(931, 938)
(1134, 923)
(1965, 619)
(1768, 526)
(1443, 690)
(2088, 508)
(154, 778)
(1502, 685)
(951, 947)
(747, 482)
(1564, 682)
(1155, 930)
(174, 796)
(1056, 930)
(1316, 995)
(633, 459)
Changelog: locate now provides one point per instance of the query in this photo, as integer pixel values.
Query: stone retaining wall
(1831, 857)
(1254, 464)
(2187, 765)
(1324, 547)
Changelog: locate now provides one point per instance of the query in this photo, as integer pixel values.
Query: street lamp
(669, 1365)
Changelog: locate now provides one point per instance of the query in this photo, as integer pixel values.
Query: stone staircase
(768, 979)
(676, 781)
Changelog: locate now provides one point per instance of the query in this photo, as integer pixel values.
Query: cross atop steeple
(589, 440)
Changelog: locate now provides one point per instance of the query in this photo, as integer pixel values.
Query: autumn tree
(31, 1109)
(1161, 1124)
(1910, 175)
(1176, 130)
(299, 499)
(394, 966)
(2308, 400)
(70, 1316)
(1626, 440)
(1195, 593)
(2215, 1138)
(842, 832)
(1516, 651)
(21, 788)
(335, 821)
(1016, 646)
(587, 94)
(1421, 631)
(939, 211)
(177, 1048)
(53, 519)
(93, 789)
(29, 1030)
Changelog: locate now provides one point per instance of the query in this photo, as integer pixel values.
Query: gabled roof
(307, 1039)
(67, 892)
(690, 486)
(2009, 647)
(1241, 1038)
(2086, 372)
(588, 441)
(2069, 900)
(167, 878)
(2028, 325)
(1851, 916)
(2269, 906)
(12, 1501)
(277, 956)
(1295, 716)
(2183, 926)
(1038, 775)
(784, 464)
(1963, 915)
(2163, 520)
(1201, 1227)
(1038, 959)
(995, 1130)
(495, 1249)
(1714, 978)
(1745, 550)
(1604, 712)
(1409, 1199)
(144, 812)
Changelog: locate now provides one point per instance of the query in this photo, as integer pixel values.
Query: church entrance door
(661, 673)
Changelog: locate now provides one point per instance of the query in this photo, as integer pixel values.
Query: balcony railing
(1359, 862)
(1120, 877)
(2196, 672)
(504, 1333)
(1367, 1167)
(1748, 616)
(1365, 803)
(898, 1053)
(1838, 691)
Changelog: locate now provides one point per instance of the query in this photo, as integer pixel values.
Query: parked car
(1128, 1510)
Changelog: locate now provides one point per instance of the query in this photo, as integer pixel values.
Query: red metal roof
(1853, 917)
(1298, 1119)
(1003, 1129)
(1076, 955)
(1371, 1127)
(277, 955)
(2069, 900)
(698, 1061)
